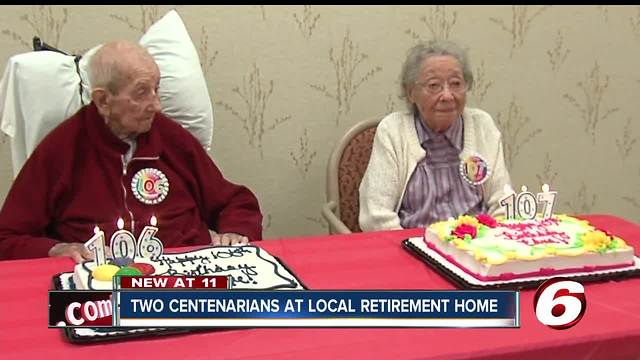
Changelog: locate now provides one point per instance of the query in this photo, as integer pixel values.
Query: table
(610, 328)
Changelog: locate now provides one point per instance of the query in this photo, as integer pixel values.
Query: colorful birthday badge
(150, 186)
(474, 169)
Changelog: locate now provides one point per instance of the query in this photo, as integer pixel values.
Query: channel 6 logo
(560, 303)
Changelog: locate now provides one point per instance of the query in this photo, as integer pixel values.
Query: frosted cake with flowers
(496, 249)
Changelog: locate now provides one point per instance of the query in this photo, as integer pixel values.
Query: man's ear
(100, 97)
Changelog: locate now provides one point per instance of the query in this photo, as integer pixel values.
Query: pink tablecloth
(610, 328)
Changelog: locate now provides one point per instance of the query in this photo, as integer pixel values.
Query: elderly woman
(438, 160)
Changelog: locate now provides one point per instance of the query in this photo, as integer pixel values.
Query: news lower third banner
(285, 308)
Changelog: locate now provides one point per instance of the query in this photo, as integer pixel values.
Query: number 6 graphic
(560, 303)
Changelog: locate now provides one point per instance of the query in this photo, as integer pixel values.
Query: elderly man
(120, 158)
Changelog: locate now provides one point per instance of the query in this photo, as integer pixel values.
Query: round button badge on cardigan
(474, 169)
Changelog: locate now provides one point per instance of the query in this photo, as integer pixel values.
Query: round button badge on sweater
(150, 186)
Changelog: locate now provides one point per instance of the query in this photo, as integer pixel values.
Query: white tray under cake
(417, 244)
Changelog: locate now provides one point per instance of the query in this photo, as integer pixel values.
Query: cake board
(465, 281)
(63, 281)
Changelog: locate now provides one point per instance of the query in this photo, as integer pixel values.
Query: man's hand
(228, 239)
(77, 251)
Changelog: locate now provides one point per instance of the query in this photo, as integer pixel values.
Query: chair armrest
(335, 224)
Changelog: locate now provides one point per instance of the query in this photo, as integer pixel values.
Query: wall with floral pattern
(288, 81)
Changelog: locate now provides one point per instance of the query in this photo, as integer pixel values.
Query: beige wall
(560, 81)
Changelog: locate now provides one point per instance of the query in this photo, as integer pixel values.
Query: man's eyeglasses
(435, 87)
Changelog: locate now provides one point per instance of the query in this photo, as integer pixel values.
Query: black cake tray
(516, 284)
(137, 333)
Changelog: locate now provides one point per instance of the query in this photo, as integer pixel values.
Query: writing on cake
(248, 266)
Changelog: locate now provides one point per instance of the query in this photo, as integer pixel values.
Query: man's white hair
(109, 65)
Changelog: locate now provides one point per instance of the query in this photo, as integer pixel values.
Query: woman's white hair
(424, 50)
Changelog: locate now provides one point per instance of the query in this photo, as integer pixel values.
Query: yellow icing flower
(460, 244)
(441, 228)
(466, 219)
(595, 241)
(479, 255)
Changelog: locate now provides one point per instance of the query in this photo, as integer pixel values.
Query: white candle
(123, 243)
(508, 201)
(547, 199)
(96, 245)
(149, 246)
(526, 204)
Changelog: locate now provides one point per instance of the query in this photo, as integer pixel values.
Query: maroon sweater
(75, 180)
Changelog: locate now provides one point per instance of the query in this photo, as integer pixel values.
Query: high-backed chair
(345, 169)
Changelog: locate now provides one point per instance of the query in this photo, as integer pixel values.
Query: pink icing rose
(487, 220)
(464, 229)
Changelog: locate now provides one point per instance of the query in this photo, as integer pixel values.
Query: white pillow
(41, 89)
(37, 92)
(183, 90)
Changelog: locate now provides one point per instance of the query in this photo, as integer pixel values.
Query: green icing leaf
(482, 230)
(578, 242)
(467, 238)
(449, 238)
